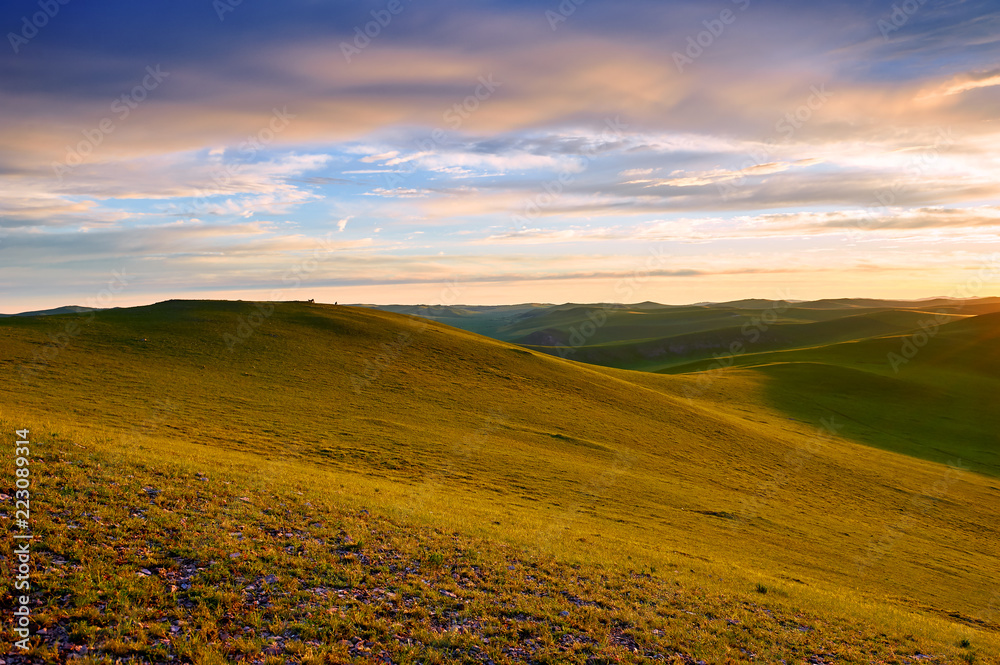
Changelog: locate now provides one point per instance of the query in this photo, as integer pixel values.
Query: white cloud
(381, 157)
(398, 193)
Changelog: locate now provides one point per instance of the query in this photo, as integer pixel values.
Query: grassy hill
(928, 393)
(69, 309)
(485, 320)
(651, 337)
(436, 496)
(656, 354)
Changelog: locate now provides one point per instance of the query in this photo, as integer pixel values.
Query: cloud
(383, 157)
(985, 80)
(262, 118)
(398, 193)
(188, 240)
(679, 179)
(771, 225)
(187, 183)
(956, 85)
(635, 173)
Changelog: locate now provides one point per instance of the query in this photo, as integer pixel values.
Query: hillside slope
(598, 324)
(467, 433)
(752, 333)
(930, 393)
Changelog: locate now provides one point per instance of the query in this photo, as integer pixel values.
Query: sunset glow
(500, 152)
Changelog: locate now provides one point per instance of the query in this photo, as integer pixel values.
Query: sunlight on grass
(433, 515)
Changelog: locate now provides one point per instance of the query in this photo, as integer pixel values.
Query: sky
(423, 151)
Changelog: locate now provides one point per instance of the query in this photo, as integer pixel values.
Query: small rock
(564, 613)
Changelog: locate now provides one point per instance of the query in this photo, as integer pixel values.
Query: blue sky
(497, 152)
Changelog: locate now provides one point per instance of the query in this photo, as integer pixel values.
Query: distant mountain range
(652, 337)
(69, 309)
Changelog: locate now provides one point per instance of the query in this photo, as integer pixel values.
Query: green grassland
(660, 353)
(485, 320)
(652, 337)
(436, 496)
(930, 393)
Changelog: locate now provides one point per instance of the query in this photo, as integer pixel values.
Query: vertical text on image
(22, 538)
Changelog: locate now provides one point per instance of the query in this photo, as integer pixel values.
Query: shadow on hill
(932, 397)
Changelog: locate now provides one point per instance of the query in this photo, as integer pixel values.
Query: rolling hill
(655, 354)
(648, 513)
(651, 337)
(929, 393)
(69, 309)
